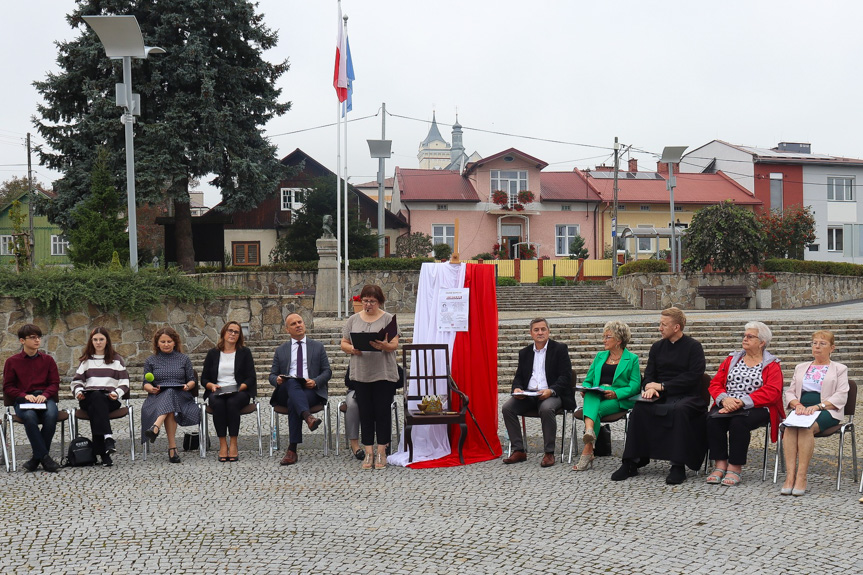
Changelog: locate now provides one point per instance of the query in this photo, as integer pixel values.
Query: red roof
(473, 166)
(434, 186)
(565, 187)
(690, 189)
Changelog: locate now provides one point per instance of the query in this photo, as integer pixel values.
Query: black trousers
(728, 437)
(226, 412)
(98, 406)
(374, 400)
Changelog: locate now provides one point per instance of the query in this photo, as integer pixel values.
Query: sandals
(731, 478)
(368, 461)
(152, 435)
(173, 458)
(584, 462)
(233, 458)
(715, 478)
(223, 459)
(589, 436)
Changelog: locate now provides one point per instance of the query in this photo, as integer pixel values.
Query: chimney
(604, 168)
(662, 167)
(633, 164)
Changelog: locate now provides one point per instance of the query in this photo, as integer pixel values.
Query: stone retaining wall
(399, 286)
(197, 323)
(662, 290)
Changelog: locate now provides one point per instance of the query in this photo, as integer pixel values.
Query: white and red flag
(340, 74)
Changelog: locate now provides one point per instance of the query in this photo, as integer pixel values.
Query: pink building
(564, 206)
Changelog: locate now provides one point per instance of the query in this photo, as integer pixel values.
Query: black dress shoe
(626, 470)
(32, 464)
(360, 454)
(49, 464)
(110, 446)
(107, 461)
(676, 476)
(173, 458)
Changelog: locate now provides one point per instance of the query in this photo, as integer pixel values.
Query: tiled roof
(510, 152)
(388, 183)
(565, 187)
(434, 186)
(690, 189)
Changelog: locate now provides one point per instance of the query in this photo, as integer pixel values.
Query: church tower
(434, 151)
(457, 149)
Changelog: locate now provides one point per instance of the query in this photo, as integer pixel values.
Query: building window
(292, 199)
(565, 208)
(645, 244)
(840, 189)
(246, 253)
(510, 181)
(442, 207)
(564, 234)
(621, 207)
(776, 195)
(59, 245)
(443, 234)
(644, 208)
(678, 208)
(834, 239)
(7, 245)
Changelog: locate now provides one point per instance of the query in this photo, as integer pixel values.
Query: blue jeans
(40, 440)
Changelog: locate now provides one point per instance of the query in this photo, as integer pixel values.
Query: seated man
(544, 368)
(300, 373)
(672, 427)
(32, 377)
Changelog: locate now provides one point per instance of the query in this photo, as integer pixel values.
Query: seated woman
(615, 371)
(99, 383)
(230, 363)
(747, 381)
(817, 386)
(170, 400)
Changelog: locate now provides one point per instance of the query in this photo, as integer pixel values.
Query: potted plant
(500, 198)
(764, 293)
(358, 304)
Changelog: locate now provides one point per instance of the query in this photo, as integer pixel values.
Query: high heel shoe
(380, 461)
(152, 435)
(368, 461)
(584, 462)
(589, 436)
(173, 458)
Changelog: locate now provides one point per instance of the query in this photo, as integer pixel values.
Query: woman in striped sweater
(99, 383)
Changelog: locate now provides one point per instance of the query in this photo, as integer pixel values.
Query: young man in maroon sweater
(32, 377)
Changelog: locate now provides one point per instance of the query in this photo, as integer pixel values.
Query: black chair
(430, 376)
(559, 411)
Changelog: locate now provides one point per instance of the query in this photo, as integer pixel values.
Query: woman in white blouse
(229, 381)
(821, 386)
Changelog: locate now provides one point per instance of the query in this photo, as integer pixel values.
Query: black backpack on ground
(80, 453)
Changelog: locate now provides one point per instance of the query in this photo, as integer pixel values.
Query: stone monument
(326, 291)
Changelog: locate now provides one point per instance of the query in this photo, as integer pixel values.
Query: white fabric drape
(430, 441)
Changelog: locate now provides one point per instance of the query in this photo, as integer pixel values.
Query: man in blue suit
(300, 373)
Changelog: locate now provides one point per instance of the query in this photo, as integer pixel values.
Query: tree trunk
(183, 236)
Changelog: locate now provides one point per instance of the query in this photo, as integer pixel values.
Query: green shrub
(643, 267)
(483, 256)
(546, 281)
(58, 291)
(364, 264)
(441, 251)
(506, 282)
(809, 267)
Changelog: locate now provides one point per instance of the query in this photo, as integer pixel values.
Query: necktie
(299, 360)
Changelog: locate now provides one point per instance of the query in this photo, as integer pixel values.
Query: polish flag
(340, 74)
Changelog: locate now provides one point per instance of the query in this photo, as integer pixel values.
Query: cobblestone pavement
(326, 515)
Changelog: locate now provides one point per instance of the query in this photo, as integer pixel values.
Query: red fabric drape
(474, 369)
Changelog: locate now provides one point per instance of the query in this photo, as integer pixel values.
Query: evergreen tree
(298, 243)
(577, 249)
(99, 229)
(204, 104)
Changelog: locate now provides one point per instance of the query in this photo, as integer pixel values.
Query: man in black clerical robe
(672, 426)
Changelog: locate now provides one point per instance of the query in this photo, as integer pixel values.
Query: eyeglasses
(33, 337)
(232, 331)
(820, 344)
(607, 337)
(369, 301)
(749, 336)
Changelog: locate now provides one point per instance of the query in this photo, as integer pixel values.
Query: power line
(321, 126)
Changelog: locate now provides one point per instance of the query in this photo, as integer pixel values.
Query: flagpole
(347, 211)
(339, 208)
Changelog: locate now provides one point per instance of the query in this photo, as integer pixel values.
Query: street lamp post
(121, 36)
(671, 155)
(380, 149)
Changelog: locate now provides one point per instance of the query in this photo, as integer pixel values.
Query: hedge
(809, 267)
(643, 267)
(501, 281)
(546, 281)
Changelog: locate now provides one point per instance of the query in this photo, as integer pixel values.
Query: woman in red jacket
(747, 392)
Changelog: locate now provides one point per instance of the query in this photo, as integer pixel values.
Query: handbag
(80, 453)
(191, 441)
(602, 447)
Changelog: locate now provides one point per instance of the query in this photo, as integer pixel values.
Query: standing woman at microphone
(169, 400)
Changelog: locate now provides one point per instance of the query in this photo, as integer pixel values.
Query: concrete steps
(529, 298)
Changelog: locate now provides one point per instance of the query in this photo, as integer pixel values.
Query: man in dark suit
(304, 361)
(543, 368)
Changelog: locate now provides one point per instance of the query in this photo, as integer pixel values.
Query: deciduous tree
(725, 236)
(788, 233)
(415, 245)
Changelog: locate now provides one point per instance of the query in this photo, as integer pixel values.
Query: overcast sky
(572, 72)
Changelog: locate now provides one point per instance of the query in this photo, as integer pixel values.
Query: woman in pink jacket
(818, 386)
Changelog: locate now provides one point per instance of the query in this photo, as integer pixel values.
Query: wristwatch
(822, 406)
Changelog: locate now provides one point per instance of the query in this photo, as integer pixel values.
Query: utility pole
(614, 211)
(30, 202)
(381, 184)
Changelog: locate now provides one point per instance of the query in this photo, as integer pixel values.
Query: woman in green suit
(616, 372)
